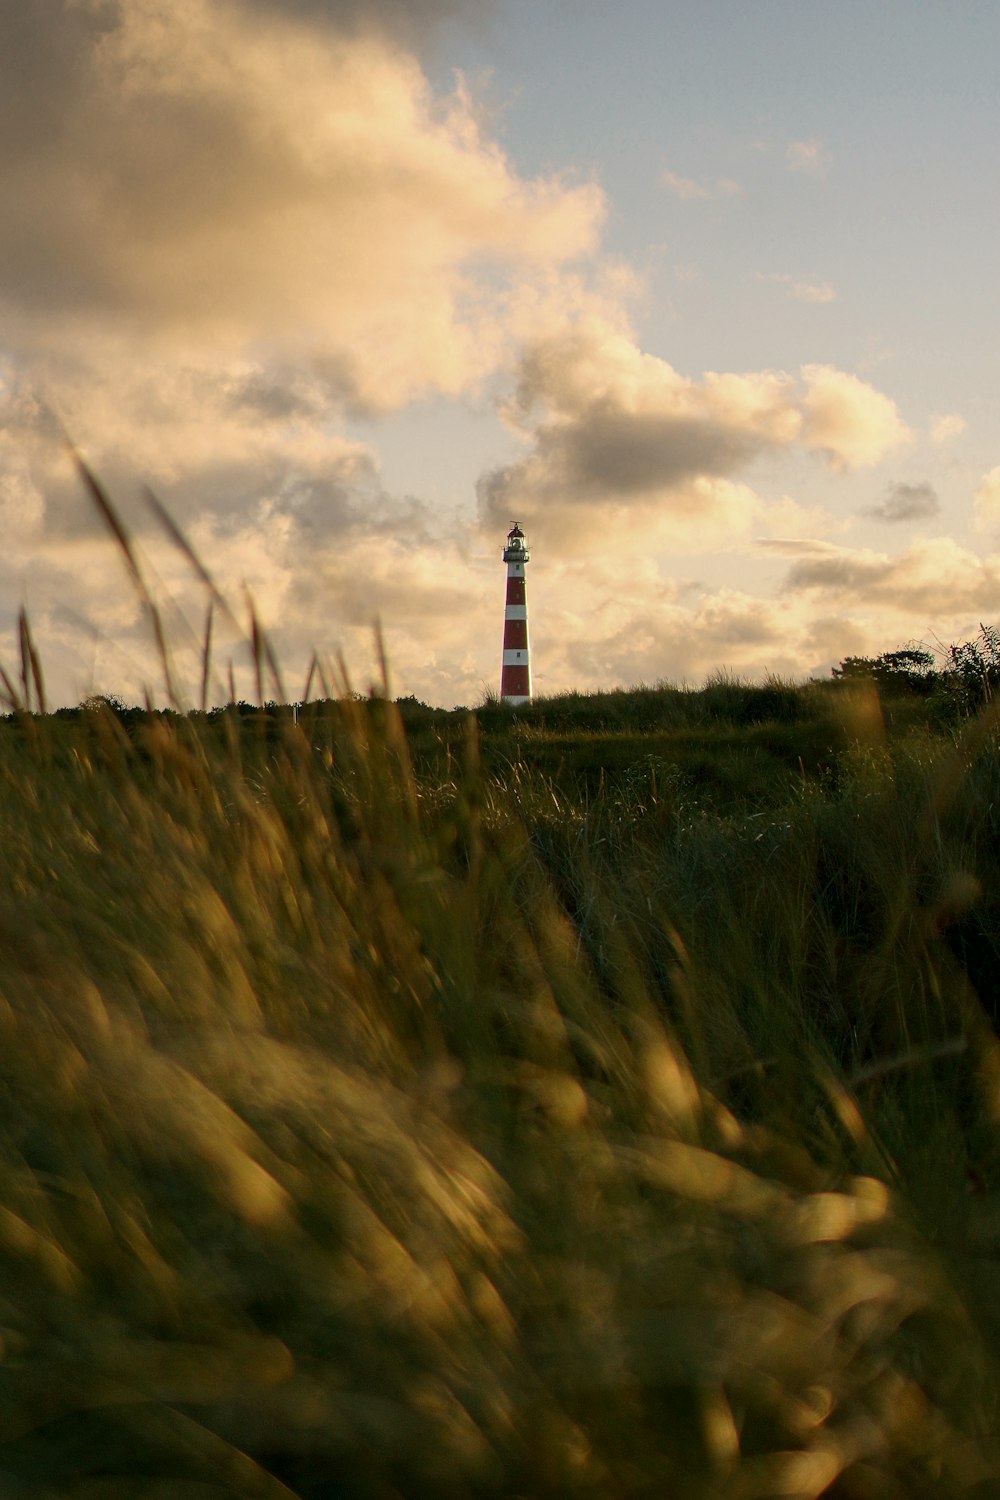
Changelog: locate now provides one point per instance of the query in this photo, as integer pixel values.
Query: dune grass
(600, 1100)
(373, 1132)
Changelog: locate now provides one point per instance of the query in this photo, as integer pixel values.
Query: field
(600, 1099)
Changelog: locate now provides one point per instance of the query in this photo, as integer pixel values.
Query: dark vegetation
(600, 1099)
(596, 1099)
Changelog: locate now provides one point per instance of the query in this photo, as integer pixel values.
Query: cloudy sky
(702, 293)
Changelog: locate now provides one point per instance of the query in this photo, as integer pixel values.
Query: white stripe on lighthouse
(516, 612)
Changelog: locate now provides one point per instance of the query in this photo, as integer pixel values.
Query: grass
(545, 1105)
(367, 1134)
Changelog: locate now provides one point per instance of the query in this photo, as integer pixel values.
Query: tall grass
(366, 1136)
(373, 1127)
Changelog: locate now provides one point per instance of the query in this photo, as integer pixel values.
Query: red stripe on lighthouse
(516, 683)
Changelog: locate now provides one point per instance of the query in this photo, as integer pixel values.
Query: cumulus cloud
(623, 619)
(848, 419)
(227, 227)
(224, 218)
(906, 502)
(683, 643)
(417, 592)
(987, 501)
(226, 171)
(613, 428)
(306, 528)
(407, 20)
(933, 578)
(272, 500)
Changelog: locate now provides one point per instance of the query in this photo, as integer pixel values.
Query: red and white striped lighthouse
(515, 670)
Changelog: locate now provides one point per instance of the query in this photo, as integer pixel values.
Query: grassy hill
(599, 1099)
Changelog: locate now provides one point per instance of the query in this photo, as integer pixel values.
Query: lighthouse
(515, 671)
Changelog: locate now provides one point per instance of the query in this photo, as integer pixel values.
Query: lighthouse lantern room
(515, 670)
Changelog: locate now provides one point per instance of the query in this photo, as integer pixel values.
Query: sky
(702, 293)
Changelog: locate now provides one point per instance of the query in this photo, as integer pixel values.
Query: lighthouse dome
(516, 549)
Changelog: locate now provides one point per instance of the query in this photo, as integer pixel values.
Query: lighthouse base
(515, 674)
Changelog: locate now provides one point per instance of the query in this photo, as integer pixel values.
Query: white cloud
(849, 420)
(933, 579)
(612, 619)
(231, 174)
(801, 290)
(813, 291)
(946, 428)
(986, 503)
(228, 222)
(683, 187)
(616, 619)
(615, 430)
(689, 188)
(809, 156)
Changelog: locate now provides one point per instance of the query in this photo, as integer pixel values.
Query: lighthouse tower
(515, 672)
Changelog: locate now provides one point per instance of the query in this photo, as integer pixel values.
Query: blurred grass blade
(206, 654)
(11, 695)
(181, 542)
(118, 530)
(31, 667)
(383, 660)
(256, 650)
(112, 520)
(313, 665)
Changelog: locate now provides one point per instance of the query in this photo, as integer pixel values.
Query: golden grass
(359, 1136)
